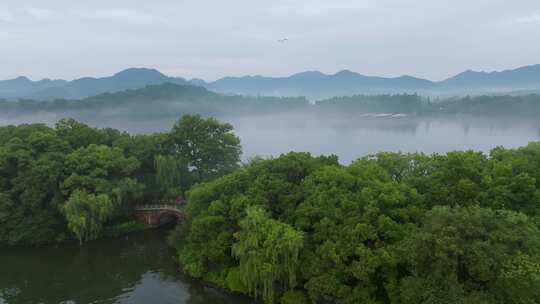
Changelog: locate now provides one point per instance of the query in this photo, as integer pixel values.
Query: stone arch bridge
(159, 213)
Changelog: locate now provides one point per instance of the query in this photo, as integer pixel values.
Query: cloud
(527, 19)
(112, 15)
(7, 36)
(130, 16)
(6, 17)
(40, 13)
(317, 9)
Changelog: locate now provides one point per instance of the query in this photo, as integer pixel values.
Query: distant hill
(316, 85)
(22, 86)
(132, 78)
(312, 84)
(524, 78)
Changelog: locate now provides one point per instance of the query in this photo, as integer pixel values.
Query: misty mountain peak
(308, 74)
(345, 73)
(139, 73)
(21, 79)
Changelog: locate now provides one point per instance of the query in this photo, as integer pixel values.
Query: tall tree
(207, 147)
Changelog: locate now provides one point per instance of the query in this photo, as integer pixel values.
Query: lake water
(138, 268)
(349, 137)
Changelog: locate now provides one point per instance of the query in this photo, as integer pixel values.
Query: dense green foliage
(207, 147)
(462, 227)
(267, 251)
(86, 213)
(171, 100)
(74, 181)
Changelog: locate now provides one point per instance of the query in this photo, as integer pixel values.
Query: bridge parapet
(177, 207)
(159, 212)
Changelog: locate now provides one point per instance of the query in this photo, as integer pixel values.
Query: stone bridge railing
(159, 212)
(154, 206)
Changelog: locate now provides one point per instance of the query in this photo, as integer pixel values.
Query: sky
(432, 39)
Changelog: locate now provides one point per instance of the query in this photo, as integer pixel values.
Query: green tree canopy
(41, 168)
(267, 251)
(86, 213)
(460, 227)
(207, 147)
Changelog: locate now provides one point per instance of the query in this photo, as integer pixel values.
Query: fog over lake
(348, 137)
(352, 139)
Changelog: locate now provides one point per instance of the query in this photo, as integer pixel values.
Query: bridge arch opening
(168, 217)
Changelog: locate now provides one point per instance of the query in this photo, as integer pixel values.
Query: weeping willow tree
(267, 251)
(169, 175)
(86, 213)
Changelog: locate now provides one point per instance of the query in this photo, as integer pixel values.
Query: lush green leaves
(389, 228)
(86, 213)
(267, 251)
(207, 147)
(77, 177)
(466, 253)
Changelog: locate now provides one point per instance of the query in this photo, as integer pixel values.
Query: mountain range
(312, 84)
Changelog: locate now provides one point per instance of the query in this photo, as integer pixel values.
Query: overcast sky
(209, 39)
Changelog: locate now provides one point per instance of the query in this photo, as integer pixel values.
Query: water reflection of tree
(200, 294)
(466, 128)
(397, 125)
(97, 272)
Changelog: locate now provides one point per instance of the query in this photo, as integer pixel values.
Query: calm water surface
(352, 137)
(138, 268)
(347, 136)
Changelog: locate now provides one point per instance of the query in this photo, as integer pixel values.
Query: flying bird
(283, 40)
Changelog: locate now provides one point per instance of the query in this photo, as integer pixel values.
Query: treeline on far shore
(156, 101)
